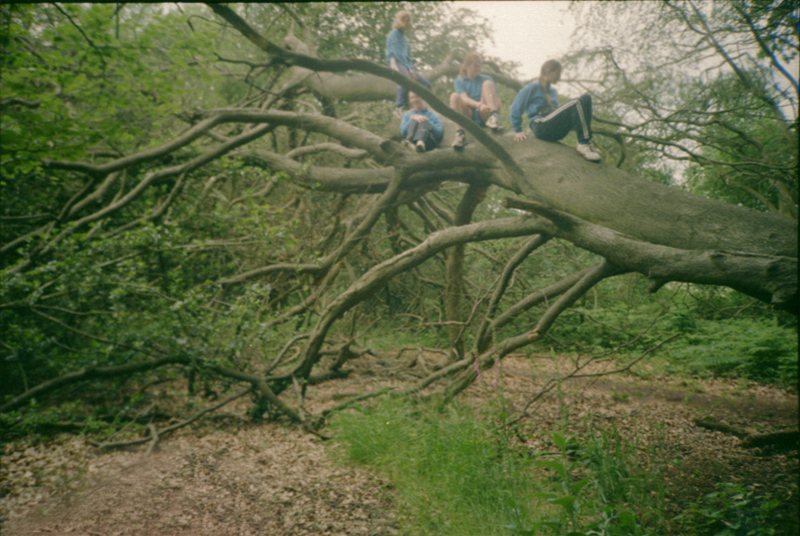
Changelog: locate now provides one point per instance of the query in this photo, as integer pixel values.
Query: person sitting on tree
(475, 97)
(398, 56)
(421, 127)
(548, 120)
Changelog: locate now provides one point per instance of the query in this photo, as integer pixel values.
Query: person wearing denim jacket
(398, 56)
(421, 128)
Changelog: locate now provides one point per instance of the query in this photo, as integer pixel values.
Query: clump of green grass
(451, 477)
(732, 510)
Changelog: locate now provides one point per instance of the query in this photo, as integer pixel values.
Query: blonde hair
(399, 17)
(473, 58)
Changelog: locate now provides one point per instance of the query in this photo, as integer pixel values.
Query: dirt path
(235, 477)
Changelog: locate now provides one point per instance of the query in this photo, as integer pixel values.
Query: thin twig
(181, 424)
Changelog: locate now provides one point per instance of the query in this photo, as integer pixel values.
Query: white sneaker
(408, 144)
(493, 121)
(587, 151)
(420, 146)
(459, 140)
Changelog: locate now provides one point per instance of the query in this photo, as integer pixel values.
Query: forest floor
(232, 476)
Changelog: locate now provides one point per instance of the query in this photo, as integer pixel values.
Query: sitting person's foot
(493, 121)
(587, 151)
(420, 146)
(408, 144)
(459, 140)
(398, 112)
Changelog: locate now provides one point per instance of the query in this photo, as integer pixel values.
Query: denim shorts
(476, 116)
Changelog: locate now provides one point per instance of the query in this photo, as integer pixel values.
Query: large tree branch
(316, 64)
(89, 374)
(383, 272)
(770, 278)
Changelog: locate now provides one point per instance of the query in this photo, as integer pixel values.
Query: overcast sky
(527, 32)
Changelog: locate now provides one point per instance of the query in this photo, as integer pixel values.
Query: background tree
(715, 91)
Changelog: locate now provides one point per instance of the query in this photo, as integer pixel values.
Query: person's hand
(419, 118)
(520, 136)
(485, 108)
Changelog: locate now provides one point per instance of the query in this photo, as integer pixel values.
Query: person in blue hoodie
(548, 120)
(398, 56)
(421, 128)
(475, 96)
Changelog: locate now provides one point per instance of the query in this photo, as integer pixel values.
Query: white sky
(529, 32)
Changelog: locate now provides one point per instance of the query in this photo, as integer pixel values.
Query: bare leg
(490, 98)
(458, 104)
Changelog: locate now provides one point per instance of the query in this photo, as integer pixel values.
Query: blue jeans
(402, 93)
(575, 115)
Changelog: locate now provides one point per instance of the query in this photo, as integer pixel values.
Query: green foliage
(84, 77)
(732, 510)
(451, 477)
(686, 94)
(456, 475)
(721, 333)
(48, 421)
(751, 348)
(359, 30)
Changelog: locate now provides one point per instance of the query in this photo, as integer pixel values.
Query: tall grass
(451, 477)
(456, 475)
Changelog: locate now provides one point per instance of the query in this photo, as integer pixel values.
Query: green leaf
(567, 502)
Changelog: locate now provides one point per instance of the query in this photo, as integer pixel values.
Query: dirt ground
(231, 475)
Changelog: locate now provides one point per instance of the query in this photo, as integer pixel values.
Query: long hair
(550, 66)
(399, 19)
(473, 58)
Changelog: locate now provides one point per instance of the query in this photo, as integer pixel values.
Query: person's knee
(455, 100)
(585, 99)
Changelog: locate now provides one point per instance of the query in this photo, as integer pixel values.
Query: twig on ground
(574, 374)
(155, 434)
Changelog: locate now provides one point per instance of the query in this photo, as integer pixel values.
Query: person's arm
(404, 121)
(518, 107)
(394, 46)
(436, 125)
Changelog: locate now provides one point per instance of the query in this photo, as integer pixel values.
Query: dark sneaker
(420, 146)
(459, 140)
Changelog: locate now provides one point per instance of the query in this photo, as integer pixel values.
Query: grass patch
(451, 477)
(456, 475)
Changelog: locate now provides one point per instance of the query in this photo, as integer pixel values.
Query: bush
(755, 349)
(731, 510)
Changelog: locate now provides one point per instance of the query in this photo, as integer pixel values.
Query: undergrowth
(719, 335)
(457, 475)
